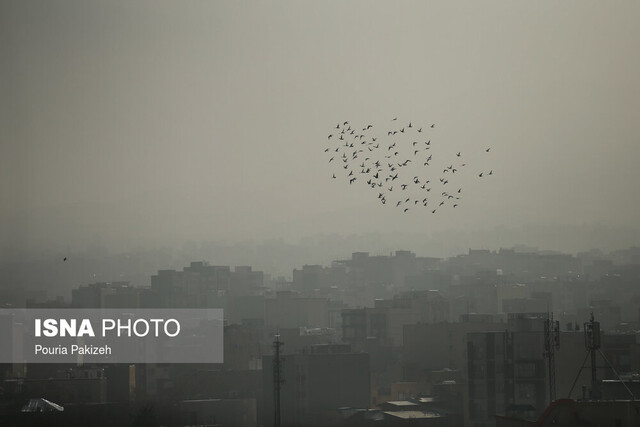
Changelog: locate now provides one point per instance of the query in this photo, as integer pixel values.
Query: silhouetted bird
(399, 149)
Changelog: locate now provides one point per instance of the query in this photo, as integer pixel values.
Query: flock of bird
(401, 164)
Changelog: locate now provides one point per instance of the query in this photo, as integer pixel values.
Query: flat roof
(406, 415)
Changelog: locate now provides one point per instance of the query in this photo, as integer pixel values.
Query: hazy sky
(148, 121)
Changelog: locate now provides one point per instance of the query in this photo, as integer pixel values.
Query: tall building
(384, 321)
(507, 371)
(316, 384)
(106, 295)
(290, 310)
(201, 285)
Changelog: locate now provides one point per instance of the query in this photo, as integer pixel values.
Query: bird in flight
(404, 151)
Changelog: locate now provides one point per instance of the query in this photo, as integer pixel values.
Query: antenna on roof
(592, 343)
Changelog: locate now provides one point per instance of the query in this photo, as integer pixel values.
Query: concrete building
(245, 281)
(430, 347)
(80, 385)
(106, 295)
(385, 321)
(300, 340)
(211, 412)
(242, 348)
(506, 370)
(316, 384)
(197, 286)
(245, 308)
(290, 310)
(567, 412)
(516, 265)
(201, 285)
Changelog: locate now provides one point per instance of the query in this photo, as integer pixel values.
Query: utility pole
(592, 343)
(277, 380)
(551, 343)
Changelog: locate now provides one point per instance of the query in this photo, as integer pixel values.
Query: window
(525, 370)
(526, 390)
